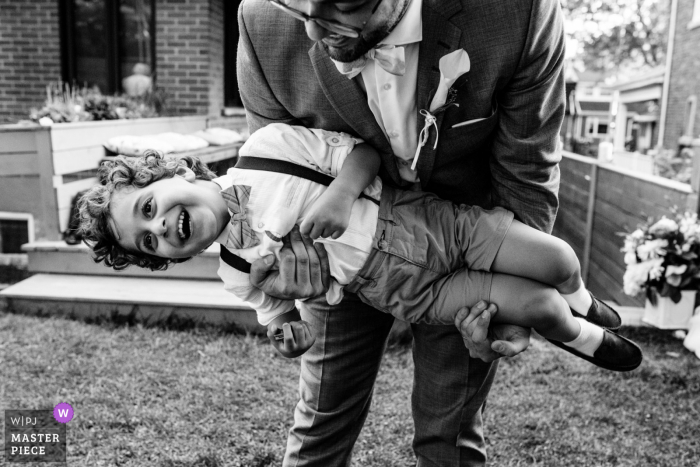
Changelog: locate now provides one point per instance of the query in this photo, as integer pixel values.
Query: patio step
(61, 258)
(133, 299)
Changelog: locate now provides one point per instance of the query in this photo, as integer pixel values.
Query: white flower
(636, 275)
(452, 66)
(45, 121)
(674, 274)
(652, 249)
(630, 257)
(663, 227)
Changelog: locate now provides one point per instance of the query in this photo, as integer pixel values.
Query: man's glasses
(329, 24)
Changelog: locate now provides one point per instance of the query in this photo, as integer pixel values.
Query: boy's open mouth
(184, 225)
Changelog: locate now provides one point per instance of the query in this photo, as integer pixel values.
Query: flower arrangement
(65, 103)
(663, 257)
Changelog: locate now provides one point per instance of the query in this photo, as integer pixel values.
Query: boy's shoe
(616, 353)
(601, 315)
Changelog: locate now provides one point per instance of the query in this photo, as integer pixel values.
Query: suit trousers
(337, 380)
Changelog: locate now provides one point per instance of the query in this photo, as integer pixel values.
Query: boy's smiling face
(172, 218)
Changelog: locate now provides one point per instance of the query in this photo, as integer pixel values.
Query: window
(231, 96)
(16, 229)
(105, 41)
(602, 128)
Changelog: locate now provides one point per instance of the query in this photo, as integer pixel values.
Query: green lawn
(158, 397)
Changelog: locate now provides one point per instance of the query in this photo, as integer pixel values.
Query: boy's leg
(527, 252)
(336, 381)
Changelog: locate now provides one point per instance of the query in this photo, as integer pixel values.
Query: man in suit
(298, 64)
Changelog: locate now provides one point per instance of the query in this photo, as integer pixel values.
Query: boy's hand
(329, 216)
(293, 339)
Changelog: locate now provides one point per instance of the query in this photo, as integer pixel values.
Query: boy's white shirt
(279, 201)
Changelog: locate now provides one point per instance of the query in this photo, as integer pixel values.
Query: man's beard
(363, 45)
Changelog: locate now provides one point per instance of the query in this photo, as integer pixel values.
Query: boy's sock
(588, 340)
(579, 301)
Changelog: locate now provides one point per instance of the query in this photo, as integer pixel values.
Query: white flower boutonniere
(452, 66)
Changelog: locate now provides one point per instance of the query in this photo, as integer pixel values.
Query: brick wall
(29, 55)
(684, 82)
(189, 55)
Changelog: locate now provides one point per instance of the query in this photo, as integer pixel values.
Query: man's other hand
(489, 343)
(303, 269)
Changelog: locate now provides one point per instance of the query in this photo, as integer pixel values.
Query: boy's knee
(546, 303)
(566, 265)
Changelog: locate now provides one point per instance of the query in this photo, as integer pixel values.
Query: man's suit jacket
(515, 84)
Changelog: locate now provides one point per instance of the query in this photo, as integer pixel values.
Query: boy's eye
(147, 208)
(148, 242)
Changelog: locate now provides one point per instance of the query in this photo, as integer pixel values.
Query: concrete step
(148, 301)
(61, 258)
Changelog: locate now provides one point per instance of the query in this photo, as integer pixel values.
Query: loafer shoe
(616, 353)
(601, 315)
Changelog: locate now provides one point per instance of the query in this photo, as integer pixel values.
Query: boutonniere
(453, 69)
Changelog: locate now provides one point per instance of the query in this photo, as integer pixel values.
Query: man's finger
(318, 269)
(466, 314)
(301, 255)
(259, 270)
(480, 327)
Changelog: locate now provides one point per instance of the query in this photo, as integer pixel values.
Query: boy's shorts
(430, 257)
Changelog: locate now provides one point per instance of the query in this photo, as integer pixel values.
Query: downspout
(667, 73)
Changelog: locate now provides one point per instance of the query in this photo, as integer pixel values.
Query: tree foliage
(621, 34)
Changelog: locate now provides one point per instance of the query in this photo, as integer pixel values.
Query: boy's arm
(330, 214)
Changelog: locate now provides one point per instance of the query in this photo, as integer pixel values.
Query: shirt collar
(410, 28)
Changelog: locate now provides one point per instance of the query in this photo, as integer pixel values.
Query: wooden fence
(598, 201)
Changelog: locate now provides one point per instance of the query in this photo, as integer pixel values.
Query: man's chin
(345, 54)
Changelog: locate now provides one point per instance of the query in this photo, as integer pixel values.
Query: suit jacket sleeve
(526, 149)
(261, 105)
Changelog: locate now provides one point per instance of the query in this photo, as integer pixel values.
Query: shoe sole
(598, 363)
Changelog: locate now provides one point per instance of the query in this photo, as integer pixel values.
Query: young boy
(411, 254)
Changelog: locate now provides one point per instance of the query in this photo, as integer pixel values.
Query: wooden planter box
(42, 168)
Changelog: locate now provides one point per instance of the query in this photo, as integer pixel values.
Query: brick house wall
(189, 55)
(684, 82)
(29, 55)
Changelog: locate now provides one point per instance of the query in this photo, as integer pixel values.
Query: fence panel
(598, 203)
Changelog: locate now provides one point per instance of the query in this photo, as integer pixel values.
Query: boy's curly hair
(93, 206)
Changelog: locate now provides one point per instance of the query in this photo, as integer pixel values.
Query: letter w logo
(63, 412)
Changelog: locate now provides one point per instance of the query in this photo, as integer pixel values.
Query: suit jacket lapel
(440, 37)
(350, 102)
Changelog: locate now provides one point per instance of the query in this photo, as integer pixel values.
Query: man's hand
(303, 269)
(489, 343)
(329, 216)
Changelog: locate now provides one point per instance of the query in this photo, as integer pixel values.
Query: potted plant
(663, 261)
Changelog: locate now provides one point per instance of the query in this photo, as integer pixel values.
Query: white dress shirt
(279, 201)
(391, 98)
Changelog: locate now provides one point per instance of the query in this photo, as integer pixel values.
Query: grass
(200, 398)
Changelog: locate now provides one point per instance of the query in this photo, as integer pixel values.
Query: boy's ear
(186, 173)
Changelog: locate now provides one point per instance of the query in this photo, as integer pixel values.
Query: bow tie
(240, 234)
(389, 57)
